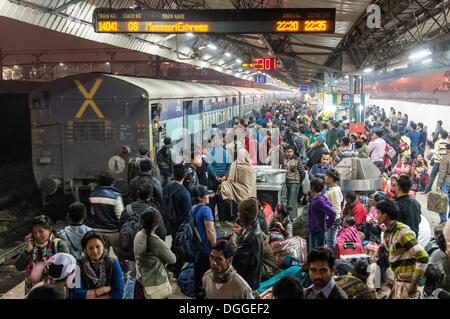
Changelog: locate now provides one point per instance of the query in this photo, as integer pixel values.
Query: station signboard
(258, 78)
(304, 88)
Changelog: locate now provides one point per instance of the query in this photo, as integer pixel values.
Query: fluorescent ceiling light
(368, 70)
(239, 61)
(190, 34)
(227, 54)
(420, 54)
(212, 46)
(402, 66)
(427, 61)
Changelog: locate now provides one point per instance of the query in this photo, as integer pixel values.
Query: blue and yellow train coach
(79, 123)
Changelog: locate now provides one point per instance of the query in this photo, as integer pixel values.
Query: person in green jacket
(151, 255)
(332, 135)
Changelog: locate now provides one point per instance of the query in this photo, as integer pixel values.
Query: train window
(156, 109)
(234, 101)
(226, 102)
(200, 106)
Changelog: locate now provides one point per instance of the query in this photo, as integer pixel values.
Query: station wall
(428, 114)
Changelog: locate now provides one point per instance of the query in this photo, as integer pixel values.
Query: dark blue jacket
(318, 171)
(106, 205)
(321, 214)
(414, 136)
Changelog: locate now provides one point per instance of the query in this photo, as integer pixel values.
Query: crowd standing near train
(168, 199)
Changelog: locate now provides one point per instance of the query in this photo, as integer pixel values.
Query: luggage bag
(348, 248)
(437, 202)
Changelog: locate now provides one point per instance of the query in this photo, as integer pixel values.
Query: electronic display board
(290, 20)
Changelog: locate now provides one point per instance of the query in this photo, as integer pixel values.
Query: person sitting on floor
(280, 220)
(348, 231)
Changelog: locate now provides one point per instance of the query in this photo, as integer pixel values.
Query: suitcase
(348, 248)
(437, 202)
(354, 258)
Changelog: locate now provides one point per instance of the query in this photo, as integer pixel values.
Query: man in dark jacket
(106, 206)
(408, 207)
(332, 135)
(248, 260)
(164, 160)
(321, 268)
(145, 176)
(191, 181)
(182, 204)
(315, 153)
(296, 141)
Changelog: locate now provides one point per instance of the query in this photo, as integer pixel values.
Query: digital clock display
(305, 26)
(266, 64)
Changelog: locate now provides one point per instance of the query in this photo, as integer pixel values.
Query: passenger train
(80, 122)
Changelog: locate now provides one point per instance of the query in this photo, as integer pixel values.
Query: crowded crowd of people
(174, 201)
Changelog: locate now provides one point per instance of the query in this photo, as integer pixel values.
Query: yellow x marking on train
(88, 97)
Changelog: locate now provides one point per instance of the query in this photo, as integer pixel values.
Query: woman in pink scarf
(348, 231)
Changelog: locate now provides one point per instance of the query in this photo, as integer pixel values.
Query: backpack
(186, 241)
(403, 146)
(127, 234)
(168, 210)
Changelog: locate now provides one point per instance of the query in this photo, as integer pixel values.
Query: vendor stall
(271, 185)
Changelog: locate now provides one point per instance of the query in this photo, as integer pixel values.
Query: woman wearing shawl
(41, 245)
(100, 276)
(241, 183)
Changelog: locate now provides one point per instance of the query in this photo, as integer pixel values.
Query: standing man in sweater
(219, 164)
(407, 258)
(294, 177)
(334, 195)
(443, 183)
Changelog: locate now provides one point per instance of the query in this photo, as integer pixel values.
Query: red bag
(348, 248)
(268, 212)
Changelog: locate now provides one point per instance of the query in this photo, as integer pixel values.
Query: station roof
(304, 58)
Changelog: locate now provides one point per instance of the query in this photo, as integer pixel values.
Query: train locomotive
(80, 122)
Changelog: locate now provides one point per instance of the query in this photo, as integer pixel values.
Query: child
(281, 221)
(41, 245)
(372, 231)
(321, 215)
(334, 195)
(73, 233)
(237, 231)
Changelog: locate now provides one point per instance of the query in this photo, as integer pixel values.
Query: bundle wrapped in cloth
(294, 247)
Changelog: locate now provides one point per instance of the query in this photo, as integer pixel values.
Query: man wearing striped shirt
(407, 258)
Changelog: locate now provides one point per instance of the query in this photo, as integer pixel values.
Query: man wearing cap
(377, 150)
(204, 222)
(61, 269)
(315, 153)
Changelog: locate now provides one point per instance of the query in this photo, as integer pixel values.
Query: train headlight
(50, 185)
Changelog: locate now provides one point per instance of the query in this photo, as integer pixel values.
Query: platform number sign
(304, 88)
(259, 78)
